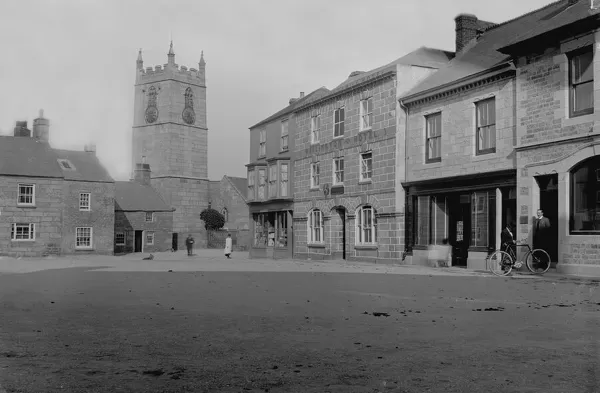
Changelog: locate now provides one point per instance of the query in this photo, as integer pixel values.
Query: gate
(216, 238)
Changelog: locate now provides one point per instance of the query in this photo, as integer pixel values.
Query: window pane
(583, 97)
(585, 201)
(582, 67)
(479, 219)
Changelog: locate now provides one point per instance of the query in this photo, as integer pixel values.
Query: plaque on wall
(337, 190)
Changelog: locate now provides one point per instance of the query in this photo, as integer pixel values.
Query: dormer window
(66, 164)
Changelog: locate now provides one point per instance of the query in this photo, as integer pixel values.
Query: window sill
(27, 206)
(315, 189)
(366, 247)
(84, 210)
(337, 185)
(367, 181)
(576, 119)
(338, 137)
(22, 240)
(366, 129)
(312, 143)
(316, 245)
(433, 161)
(84, 249)
(284, 150)
(120, 244)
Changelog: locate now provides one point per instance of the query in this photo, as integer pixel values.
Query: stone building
(228, 196)
(170, 134)
(143, 221)
(557, 140)
(52, 201)
(270, 180)
(348, 201)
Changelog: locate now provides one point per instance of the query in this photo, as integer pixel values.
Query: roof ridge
(521, 16)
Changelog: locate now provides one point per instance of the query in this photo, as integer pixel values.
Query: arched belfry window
(366, 226)
(585, 197)
(225, 214)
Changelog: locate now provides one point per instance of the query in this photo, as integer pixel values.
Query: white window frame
(338, 171)
(366, 166)
(366, 114)
(251, 193)
(151, 217)
(262, 146)
(31, 232)
(262, 185)
(283, 180)
(338, 126)
(19, 195)
(485, 125)
(77, 236)
(362, 227)
(83, 206)
(117, 241)
(285, 135)
(433, 137)
(315, 226)
(272, 176)
(315, 170)
(147, 235)
(315, 128)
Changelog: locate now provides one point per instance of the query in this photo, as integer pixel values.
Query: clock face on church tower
(188, 115)
(151, 114)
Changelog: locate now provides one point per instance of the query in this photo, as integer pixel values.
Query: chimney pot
(301, 94)
(21, 129)
(41, 128)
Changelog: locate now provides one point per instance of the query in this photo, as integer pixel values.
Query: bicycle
(501, 262)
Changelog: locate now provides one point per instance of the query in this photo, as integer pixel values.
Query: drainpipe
(406, 111)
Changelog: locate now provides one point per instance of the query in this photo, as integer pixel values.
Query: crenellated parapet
(170, 70)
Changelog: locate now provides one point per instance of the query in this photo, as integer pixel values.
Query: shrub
(212, 219)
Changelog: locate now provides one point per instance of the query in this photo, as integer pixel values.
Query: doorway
(137, 244)
(342, 212)
(459, 209)
(174, 242)
(549, 205)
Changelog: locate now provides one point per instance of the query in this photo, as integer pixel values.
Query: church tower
(170, 134)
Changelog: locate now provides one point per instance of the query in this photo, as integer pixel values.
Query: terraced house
(270, 180)
(558, 134)
(52, 201)
(348, 203)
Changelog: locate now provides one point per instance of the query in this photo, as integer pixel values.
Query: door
(139, 236)
(174, 242)
(549, 205)
(342, 213)
(459, 209)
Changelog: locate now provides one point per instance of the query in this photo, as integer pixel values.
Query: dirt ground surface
(214, 325)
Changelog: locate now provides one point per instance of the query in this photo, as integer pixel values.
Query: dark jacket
(189, 241)
(506, 236)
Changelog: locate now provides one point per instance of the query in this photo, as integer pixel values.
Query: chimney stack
(41, 128)
(90, 148)
(466, 30)
(301, 94)
(142, 174)
(21, 129)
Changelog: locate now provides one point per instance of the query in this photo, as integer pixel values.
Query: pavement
(214, 260)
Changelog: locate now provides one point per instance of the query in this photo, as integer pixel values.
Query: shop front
(465, 212)
(564, 187)
(271, 231)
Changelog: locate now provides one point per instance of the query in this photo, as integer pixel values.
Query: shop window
(480, 219)
(282, 229)
(315, 226)
(432, 220)
(585, 198)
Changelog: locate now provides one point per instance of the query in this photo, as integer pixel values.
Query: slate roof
(87, 166)
(421, 57)
(564, 15)
(240, 183)
(132, 196)
(482, 53)
(290, 108)
(23, 156)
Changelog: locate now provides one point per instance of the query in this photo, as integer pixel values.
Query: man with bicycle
(508, 239)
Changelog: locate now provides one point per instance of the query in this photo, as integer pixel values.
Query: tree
(212, 219)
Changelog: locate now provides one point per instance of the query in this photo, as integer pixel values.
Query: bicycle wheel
(500, 263)
(538, 261)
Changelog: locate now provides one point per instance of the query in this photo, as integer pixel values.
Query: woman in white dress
(228, 246)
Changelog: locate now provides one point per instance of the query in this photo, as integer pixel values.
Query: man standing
(541, 227)
(189, 243)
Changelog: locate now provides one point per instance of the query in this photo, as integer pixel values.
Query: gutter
(406, 112)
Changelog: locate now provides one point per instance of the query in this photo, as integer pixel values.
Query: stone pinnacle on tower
(171, 54)
(140, 62)
(202, 63)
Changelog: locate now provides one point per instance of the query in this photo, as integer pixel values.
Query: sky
(76, 59)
